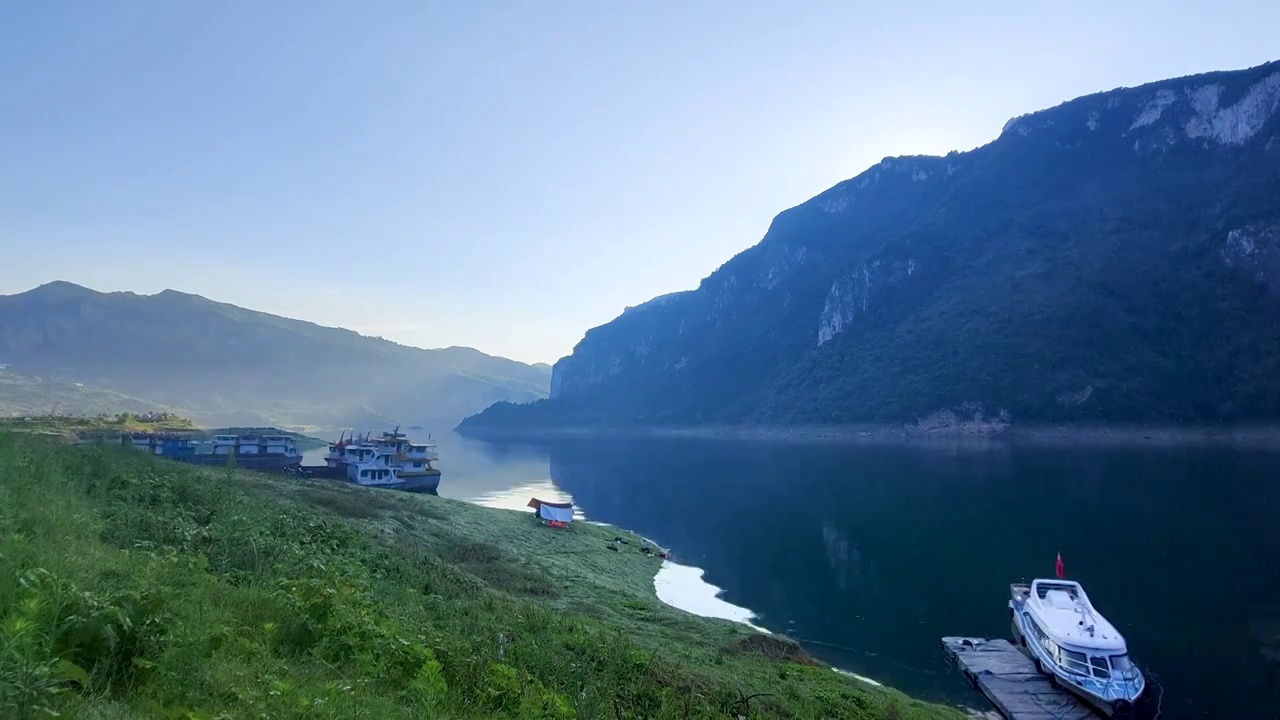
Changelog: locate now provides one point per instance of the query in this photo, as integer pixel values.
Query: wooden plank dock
(1010, 681)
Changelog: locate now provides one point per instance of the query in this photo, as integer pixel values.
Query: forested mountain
(1113, 259)
(221, 364)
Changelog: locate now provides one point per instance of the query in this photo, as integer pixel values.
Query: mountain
(222, 364)
(1114, 259)
(36, 395)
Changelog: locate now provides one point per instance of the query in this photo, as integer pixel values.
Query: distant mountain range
(68, 348)
(1115, 259)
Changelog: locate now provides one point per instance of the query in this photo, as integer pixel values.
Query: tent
(553, 512)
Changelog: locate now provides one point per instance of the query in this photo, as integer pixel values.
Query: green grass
(33, 395)
(110, 427)
(131, 587)
(91, 427)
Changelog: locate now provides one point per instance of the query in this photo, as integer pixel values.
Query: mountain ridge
(966, 283)
(224, 364)
(65, 289)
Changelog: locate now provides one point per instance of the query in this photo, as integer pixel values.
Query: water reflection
(870, 553)
(517, 498)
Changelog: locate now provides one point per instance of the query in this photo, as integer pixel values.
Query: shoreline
(495, 600)
(1252, 436)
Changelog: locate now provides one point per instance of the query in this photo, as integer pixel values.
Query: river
(869, 553)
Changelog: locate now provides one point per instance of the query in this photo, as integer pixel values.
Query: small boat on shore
(1075, 645)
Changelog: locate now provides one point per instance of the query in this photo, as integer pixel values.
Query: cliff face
(1115, 258)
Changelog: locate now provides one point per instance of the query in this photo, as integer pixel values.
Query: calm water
(871, 553)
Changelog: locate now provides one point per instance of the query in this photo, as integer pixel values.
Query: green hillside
(224, 365)
(35, 395)
(131, 587)
(97, 427)
(109, 428)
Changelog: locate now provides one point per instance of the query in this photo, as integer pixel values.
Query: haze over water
(871, 553)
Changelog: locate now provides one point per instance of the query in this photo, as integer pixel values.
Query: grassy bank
(109, 428)
(93, 427)
(131, 587)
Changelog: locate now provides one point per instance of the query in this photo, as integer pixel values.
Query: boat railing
(1126, 685)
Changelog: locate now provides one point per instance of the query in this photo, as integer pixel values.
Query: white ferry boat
(265, 452)
(1072, 643)
(389, 460)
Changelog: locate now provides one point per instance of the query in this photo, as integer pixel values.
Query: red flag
(1058, 565)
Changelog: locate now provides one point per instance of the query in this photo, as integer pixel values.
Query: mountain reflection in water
(870, 553)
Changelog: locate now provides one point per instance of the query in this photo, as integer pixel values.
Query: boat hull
(245, 462)
(1128, 709)
(323, 471)
(425, 483)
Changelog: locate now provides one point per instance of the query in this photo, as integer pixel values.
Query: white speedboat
(1075, 645)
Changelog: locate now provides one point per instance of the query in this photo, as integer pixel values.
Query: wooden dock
(1010, 681)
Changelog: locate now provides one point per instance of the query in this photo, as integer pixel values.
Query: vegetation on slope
(109, 428)
(35, 395)
(1103, 261)
(222, 364)
(96, 427)
(132, 587)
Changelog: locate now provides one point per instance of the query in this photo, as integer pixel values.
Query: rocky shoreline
(1260, 436)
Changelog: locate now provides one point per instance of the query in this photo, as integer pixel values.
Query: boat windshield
(1123, 666)
(1100, 669)
(1074, 661)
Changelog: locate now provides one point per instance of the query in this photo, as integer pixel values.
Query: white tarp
(564, 515)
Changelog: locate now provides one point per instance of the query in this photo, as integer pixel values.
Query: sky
(506, 175)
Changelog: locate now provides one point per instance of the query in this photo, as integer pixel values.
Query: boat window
(1074, 661)
(1123, 666)
(1041, 637)
(1100, 669)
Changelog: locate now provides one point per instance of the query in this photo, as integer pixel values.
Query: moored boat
(265, 452)
(389, 460)
(1075, 645)
(171, 445)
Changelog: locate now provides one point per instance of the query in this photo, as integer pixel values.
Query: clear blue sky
(506, 175)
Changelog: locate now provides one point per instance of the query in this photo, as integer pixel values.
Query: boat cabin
(225, 444)
(1062, 627)
(164, 444)
(252, 445)
(279, 444)
(421, 451)
(366, 475)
